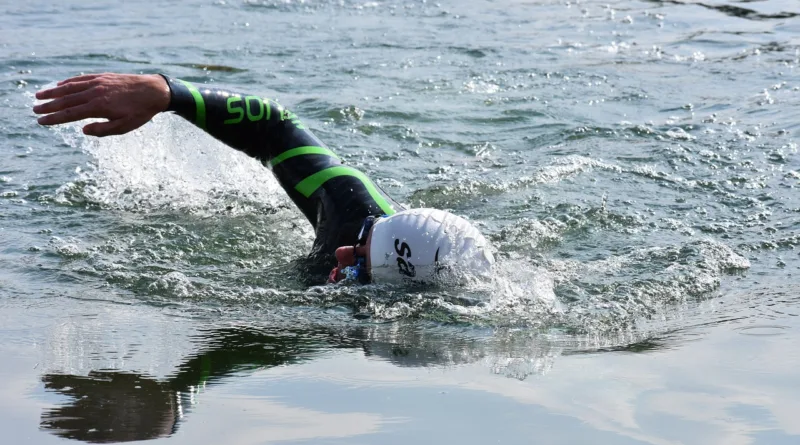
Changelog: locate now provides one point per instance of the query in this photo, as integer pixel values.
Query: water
(634, 165)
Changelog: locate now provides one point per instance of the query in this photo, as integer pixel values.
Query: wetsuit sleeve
(260, 127)
(312, 175)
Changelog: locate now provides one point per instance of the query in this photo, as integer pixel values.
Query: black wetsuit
(335, 198)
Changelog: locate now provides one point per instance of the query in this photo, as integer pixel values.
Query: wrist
(162, 95)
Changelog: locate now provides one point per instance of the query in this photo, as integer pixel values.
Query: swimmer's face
(347, 256)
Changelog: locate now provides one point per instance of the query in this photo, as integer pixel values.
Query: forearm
(259, 127)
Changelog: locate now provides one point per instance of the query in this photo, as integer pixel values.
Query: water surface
(634, 165)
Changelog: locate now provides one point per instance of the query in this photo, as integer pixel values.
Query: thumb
(113, 127)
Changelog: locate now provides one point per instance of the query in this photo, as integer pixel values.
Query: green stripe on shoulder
(299, 151)
(200, 105)
(308, 186)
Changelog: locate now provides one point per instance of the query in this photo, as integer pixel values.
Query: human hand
(127, 101)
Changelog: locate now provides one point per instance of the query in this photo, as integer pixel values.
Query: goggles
(357, 272)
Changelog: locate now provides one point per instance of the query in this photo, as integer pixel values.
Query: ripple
(763, 330)
(212, 68)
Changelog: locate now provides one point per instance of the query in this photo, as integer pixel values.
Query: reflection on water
(110, 406)
(683, 377)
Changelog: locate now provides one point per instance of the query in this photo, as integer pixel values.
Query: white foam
(168, 163)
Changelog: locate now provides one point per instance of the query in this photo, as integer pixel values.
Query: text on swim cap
(405, 267)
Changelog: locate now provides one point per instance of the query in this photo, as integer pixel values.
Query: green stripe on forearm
(309, 185)
(200, 105)
(299, 151)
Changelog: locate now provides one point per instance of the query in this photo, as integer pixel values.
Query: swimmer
(361, 233)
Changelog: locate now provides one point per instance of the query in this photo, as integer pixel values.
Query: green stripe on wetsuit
(200, 111)
(308, 186)
(299, 151)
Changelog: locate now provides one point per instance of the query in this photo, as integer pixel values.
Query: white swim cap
(419, 245)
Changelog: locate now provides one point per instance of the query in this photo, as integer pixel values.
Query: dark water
(635, 165)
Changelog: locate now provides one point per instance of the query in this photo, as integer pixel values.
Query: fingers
(63, 103)
(100, 129)
(81, 78)
(73, 114)
(126, 101)
(63, 90)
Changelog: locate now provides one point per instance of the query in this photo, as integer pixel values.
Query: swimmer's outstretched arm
(262, 128)
(259, 127)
